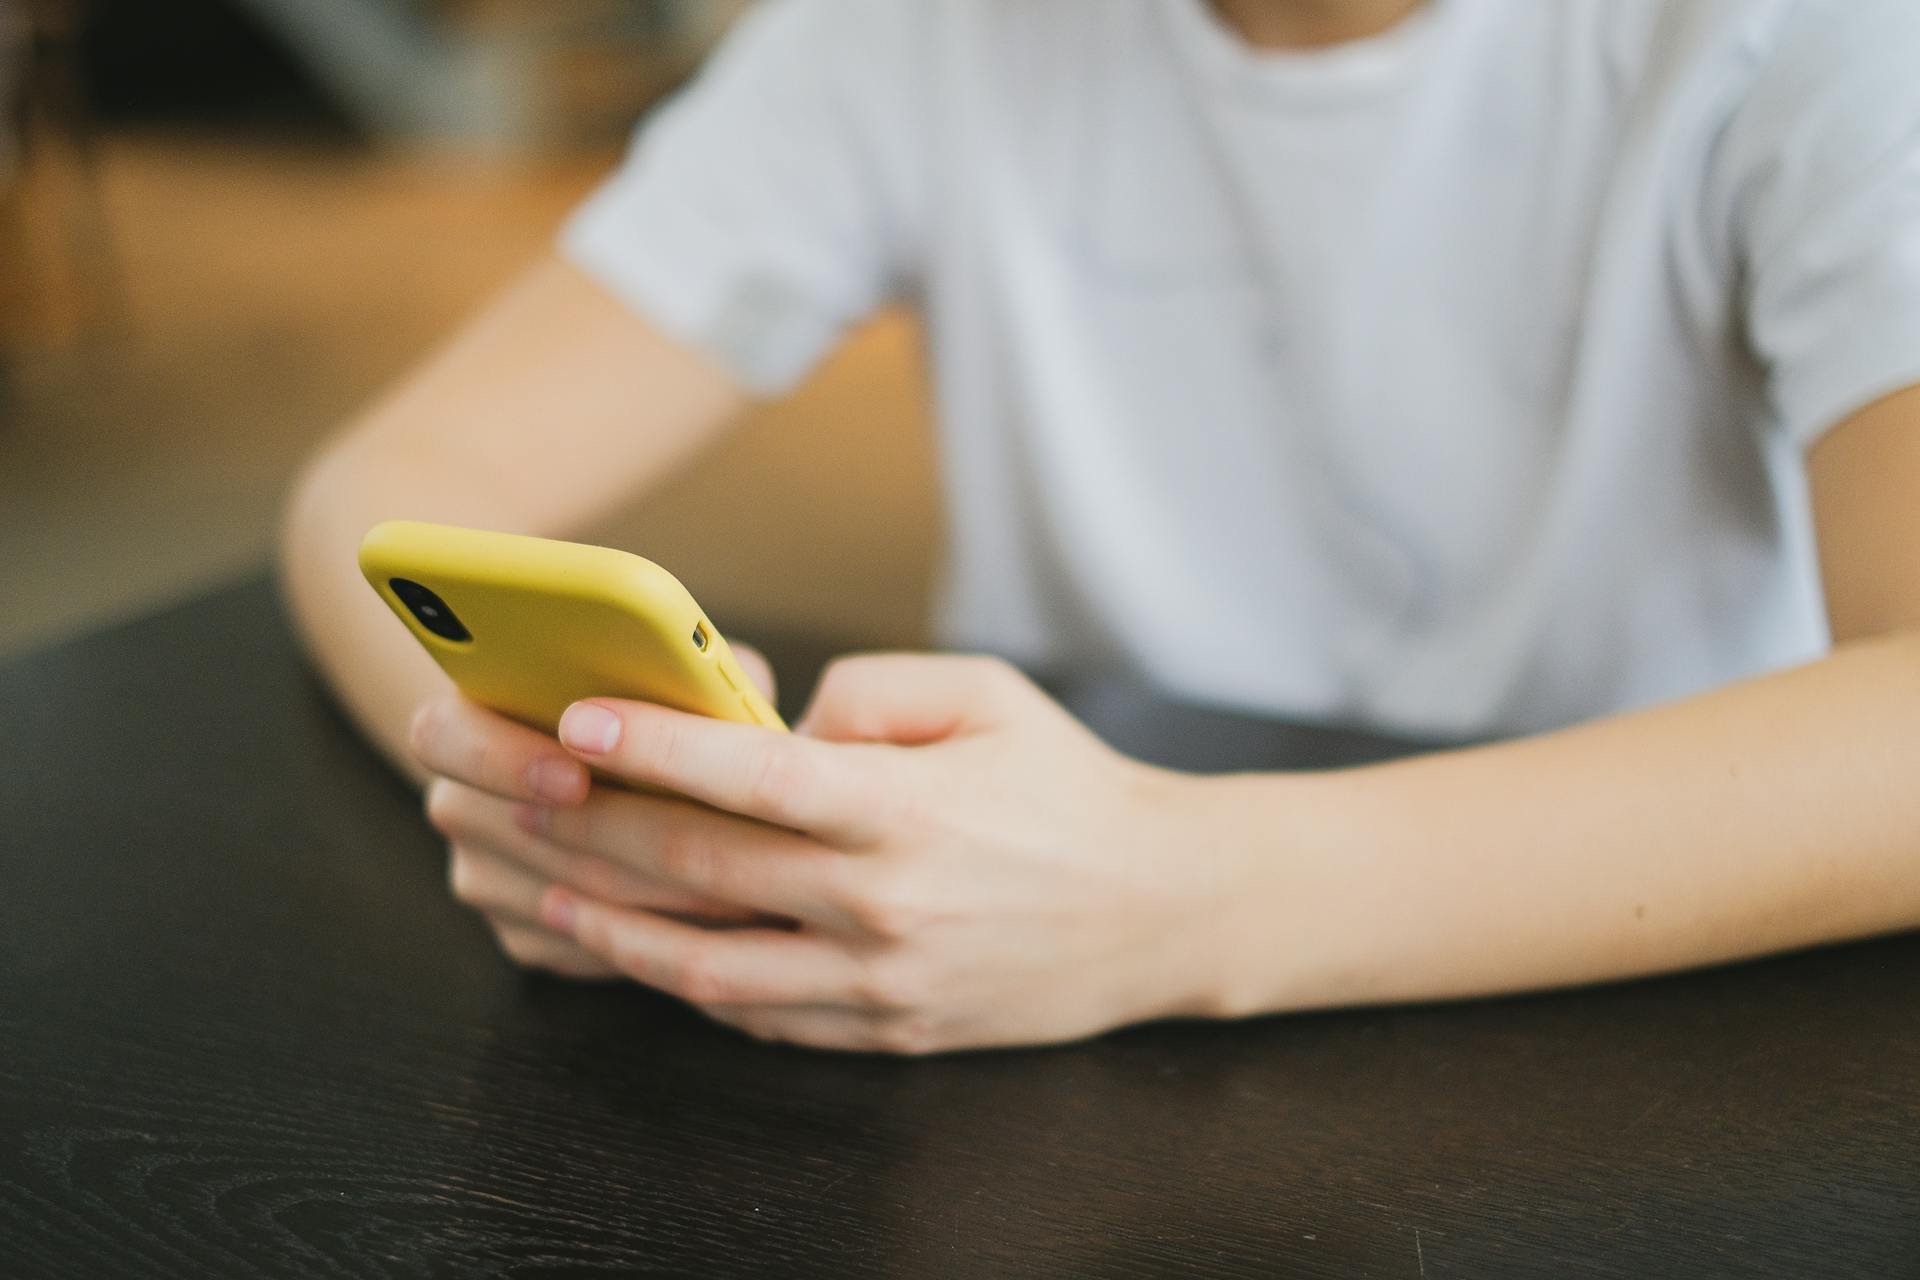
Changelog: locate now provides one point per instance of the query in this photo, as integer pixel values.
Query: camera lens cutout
(699, 637)
(430, 609)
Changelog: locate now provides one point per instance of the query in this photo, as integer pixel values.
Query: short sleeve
(1824, 158)
(772, 203)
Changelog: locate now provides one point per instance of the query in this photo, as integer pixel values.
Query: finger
(494, 885)
(909, 698)
(755, 664)
(533, 947)
(708, 966)
(708, 855)
(744, 769)
(817, 1027)
(485, 830)
(459, 739)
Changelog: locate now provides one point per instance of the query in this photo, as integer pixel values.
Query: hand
(499, 868)
(955, 862)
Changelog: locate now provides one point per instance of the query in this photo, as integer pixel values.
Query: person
(1480, 369)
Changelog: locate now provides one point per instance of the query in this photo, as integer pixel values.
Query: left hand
(962, 863)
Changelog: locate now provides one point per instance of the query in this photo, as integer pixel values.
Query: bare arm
(1778, 813)
(969, 867)
(548, 409)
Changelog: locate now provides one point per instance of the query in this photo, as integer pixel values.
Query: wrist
(1296, 925)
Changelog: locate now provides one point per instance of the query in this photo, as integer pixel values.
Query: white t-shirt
(1455, 381)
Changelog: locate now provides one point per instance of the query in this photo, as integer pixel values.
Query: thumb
(910, 698)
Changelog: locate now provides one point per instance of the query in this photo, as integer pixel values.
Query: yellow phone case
(548, 623)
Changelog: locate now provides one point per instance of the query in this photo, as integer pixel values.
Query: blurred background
(226, 224)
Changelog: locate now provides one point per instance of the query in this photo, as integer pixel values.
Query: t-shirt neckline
(1348, 74)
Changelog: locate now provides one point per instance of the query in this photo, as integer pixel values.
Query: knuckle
(780, 779)
(840, 678)
(595, 877)
(513, 944)
(443, 804)
(841, 671)
(483, 760)
(841, 690)
(462, 875)
(424, 729)
(662, 746)
(890, 981)
(767, 1030)
(687, 857)
(567, 827)
(632, 963)
(697, 979)
(887, 907)
(908, 1035)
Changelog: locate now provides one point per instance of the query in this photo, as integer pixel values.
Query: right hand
(499, 869)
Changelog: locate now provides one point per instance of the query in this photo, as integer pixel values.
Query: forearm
(1774, 814)
(379, 674)
(549, 409)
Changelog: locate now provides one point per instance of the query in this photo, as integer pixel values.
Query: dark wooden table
(243, 1030)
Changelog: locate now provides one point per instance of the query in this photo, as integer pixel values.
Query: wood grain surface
(244, 1031)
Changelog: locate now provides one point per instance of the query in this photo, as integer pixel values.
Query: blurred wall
(190, 299)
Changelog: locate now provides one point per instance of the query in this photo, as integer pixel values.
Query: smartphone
(528, 626)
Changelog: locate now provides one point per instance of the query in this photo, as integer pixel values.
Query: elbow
(301, 511)
(315, 541)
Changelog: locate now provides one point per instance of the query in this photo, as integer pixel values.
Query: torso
(1402, 383)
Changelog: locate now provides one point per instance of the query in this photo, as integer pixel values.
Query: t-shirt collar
(1339, 75)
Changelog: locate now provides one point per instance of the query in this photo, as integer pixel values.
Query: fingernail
(586, 727)
(556, 779)
(558, 912)
(533, 817)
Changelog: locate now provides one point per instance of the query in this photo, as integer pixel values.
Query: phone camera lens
(430, 609)
(699, 637)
